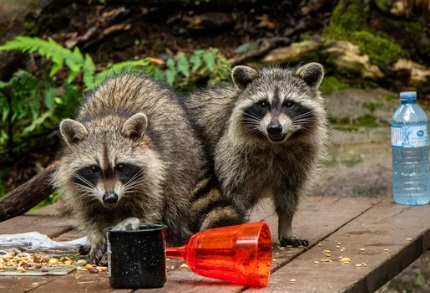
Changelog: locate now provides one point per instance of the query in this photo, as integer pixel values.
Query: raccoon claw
(97, 255)
(84, 249)
(295, 242)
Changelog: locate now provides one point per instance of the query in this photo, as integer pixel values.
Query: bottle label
(408, 136)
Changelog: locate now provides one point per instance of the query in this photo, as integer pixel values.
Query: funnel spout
(175, 252)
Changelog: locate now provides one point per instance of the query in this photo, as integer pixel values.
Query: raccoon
(209, 208)
(266, 134)
(131, 152)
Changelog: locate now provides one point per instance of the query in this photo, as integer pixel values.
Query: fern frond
(183, 65)
(136, 66)
(88, 71)
(25, 92)
(171, 71)
(4, 106)
(196, 60)
(50, 50)
(209, 58)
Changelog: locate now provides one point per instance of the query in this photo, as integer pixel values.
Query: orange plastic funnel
(239, 254)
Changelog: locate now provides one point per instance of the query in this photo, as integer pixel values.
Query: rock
(344, 56)
(419, 75)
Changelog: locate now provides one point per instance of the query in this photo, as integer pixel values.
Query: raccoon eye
(289, 105)
(119, 167)
(94, 169)
(263, 104)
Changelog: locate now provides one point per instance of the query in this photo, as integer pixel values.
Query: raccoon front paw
(295, 242)
(98, 255)
(84, 249)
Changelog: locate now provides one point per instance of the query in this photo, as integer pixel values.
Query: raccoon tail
(210, 208)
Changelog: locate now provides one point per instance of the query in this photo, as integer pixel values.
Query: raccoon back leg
(286, 206)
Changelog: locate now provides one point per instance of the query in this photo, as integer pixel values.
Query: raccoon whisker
(88, 183)
(133, 178)
(307, 115)
(253, 117)
(131, 187)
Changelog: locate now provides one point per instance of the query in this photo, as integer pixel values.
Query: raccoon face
(102, 158)
(276, 104)
(108, 183)
(275, 119)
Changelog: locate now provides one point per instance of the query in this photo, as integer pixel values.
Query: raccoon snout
(274, 128)
(110, 199)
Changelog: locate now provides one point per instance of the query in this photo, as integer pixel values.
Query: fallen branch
(28, 195)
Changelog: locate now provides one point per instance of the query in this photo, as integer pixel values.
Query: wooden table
(379, 237)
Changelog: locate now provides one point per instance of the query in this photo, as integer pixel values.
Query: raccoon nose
(110, 199)
(274, 128)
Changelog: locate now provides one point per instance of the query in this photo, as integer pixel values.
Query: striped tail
(210, 208)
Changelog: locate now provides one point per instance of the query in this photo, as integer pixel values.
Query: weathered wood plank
(46, 221)
(80, 281)
(13, 284)
(387, 238)
(317, 218)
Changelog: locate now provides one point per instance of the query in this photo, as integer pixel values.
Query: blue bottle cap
(408, 96)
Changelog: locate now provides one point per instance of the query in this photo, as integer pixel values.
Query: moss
(348, 23)
(382, 52)
(390, 97)
(331, 83)
(346, 123)
(372, 105)
(367, 120)
(347, 16)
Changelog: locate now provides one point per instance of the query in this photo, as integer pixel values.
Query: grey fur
(129, 120)
(251, 163)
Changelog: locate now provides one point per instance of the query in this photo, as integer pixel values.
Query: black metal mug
(137, 258)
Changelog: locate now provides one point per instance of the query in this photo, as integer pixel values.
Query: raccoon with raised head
(131, 152)
(266, 134)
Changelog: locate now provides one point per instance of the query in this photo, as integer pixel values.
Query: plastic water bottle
(410, 147)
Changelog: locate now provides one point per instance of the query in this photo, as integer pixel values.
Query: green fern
(183, 64)
(210, 64)
(136, 66)
(51, 50)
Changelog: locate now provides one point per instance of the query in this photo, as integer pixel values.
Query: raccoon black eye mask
(130, 152)
(266, 133)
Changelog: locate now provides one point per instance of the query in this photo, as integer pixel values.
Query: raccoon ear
(311, 73)
(135, 126)
(242, 75)
(73, 131)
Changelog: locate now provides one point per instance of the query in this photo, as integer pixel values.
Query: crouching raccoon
(131, 152)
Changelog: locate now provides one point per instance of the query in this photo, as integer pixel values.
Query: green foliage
(133, 67)
(372, 105)
(56, 53)
(348, 23)
(382, 51)
(31, 106)
(209, 64)
(347, 16)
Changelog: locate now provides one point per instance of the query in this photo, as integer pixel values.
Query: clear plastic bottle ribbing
(410, 152)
